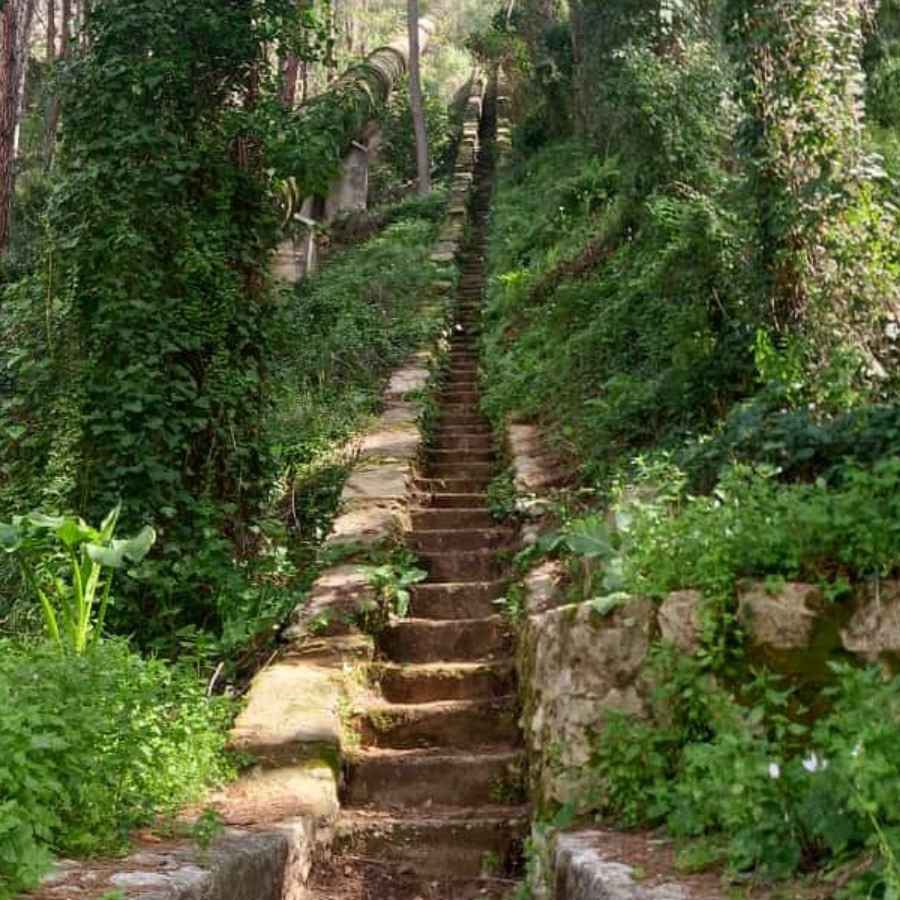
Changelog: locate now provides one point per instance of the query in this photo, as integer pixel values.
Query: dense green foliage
(697, 296)
(93, 746)
(761, 790)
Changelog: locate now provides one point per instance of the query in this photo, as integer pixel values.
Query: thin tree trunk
(51, 32)
(416, 104)
(15, 23)
(290, 66)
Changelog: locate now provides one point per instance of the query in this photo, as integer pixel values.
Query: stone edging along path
(284, 809)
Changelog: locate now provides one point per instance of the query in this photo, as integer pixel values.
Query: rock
(365, 525)
(542, 587)
(401, 442)
(680, 622)
(579, 665)
(873, 631)
(388, 481)
(584, 873)
(332, 603)
(289, 708)
(783, 618)
(412, 377)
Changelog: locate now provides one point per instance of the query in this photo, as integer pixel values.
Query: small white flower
(856, 751)
(774, 770)
(813, 763)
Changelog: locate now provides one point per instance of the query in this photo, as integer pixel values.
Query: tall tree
(15, 25)
(416, 102)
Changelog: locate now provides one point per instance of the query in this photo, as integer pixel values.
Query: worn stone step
(450, 640)
(458, 394)
(448, 500)
(459, 408)
(463, 467)
(450, 723)
(448, 540)
(449, 519)
(432, 682)
(459, 843)
(464, 429)
(470, 565)
(468, 420)
(454, 446)
(449, 485)
(457, 599)
(389, 778)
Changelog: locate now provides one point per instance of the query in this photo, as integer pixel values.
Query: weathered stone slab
(292, 711)
(401, 442)
(783, 618)
(365, 525)
(873, 630)
(404, 381)
(332, 603)
(308, 788)
(680, 622)
(584, 873)
(379, 482)
(240, 865)
(581, 665)
(542, 587)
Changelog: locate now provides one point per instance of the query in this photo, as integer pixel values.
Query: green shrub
(92, 746)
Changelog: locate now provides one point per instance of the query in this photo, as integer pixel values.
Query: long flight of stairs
(432, 806)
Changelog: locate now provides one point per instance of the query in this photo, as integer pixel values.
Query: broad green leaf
(74, 531)
(606, 604)
(138, 547)
(590, 537)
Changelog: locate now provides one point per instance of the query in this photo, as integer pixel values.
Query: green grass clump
(92, 746)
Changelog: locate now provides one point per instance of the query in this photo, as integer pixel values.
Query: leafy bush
(740, 772)
(93, 746)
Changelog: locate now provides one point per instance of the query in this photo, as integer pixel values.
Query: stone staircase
(432, 804)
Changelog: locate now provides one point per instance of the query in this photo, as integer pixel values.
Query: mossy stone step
(389, 778)
(433, 682)
(454, 723)
(446, 640)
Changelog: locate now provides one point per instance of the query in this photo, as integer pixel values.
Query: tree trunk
(51, 32)
(290, 66)
(15, 23)
(416, 104)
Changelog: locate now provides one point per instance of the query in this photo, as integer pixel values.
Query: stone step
(460, 567)
(468, 420)
(456, 600)
(355, 878)
(466, 429)
(449, 500)
(448, 723)
(448, 540)
(459, 407)
(448, 519)
(433, 682)
(389, 778)
(463, 467)
(446, 640)
(449, 485)
(457, 394)
(464, 444)
(444, 844)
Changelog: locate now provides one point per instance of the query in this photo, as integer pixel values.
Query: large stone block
(680, 620)
(780, 618)
(580, 665)
(292, 713)
(873, 629)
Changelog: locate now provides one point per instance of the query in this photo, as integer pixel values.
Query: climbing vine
(138, 346)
